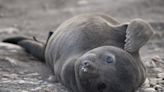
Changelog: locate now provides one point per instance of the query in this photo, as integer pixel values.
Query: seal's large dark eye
(109, 59)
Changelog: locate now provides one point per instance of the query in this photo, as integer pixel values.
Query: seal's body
(94, 53)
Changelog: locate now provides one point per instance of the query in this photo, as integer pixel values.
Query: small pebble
(23, 91)
(9, 46)
(10, 30)
(12, 76)
(158, 70)
(82, 2)
(52, 78)
(149, 90)
(158, 88)
(157, 58)
(160, 75)
(150, 64)
(11, 60)
(154, 81)
(146, 83)
(33, 74)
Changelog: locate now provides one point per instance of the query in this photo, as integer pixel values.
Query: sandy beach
(20, 72)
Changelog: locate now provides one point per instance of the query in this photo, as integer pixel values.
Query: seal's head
(106, 69)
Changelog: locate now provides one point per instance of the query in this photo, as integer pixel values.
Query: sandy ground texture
(20, 72)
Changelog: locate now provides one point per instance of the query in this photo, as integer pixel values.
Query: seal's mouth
(101, 86)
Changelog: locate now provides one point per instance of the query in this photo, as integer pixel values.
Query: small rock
(4, 79)
(23, 72)
(23, 91)
(9, 30)
(154, 81)
(162, 82)
(52, 78)
(158, 88)
(33, 74)
(12, 76)
(158, 70)
(36, 89)
(6, 75)
(146, 83)
(12, 61)
(21, 81)
(8, 46)
(148, 90)
(158, 60)
(82, 2)
(150, 64)
(160, 75)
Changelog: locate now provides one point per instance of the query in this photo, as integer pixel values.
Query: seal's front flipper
(31, 46)
(137, 34)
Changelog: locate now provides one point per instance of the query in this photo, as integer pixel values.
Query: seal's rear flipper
(33, 47)
(137, 34)
(14, 40)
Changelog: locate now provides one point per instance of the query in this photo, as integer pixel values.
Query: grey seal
(93, 53)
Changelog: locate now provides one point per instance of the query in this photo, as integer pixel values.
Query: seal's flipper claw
(49, 35)
(34, 38)
(137, 34)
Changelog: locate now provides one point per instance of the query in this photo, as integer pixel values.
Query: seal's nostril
(84, 69)
(86, 63)
(101, 86)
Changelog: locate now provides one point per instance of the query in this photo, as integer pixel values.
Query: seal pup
(93, 53)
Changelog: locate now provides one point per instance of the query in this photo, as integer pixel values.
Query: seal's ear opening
(137, 34)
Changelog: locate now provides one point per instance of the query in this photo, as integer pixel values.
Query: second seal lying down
(93, 53)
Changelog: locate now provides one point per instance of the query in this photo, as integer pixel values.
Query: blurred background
(38, 17)
(31, 16)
